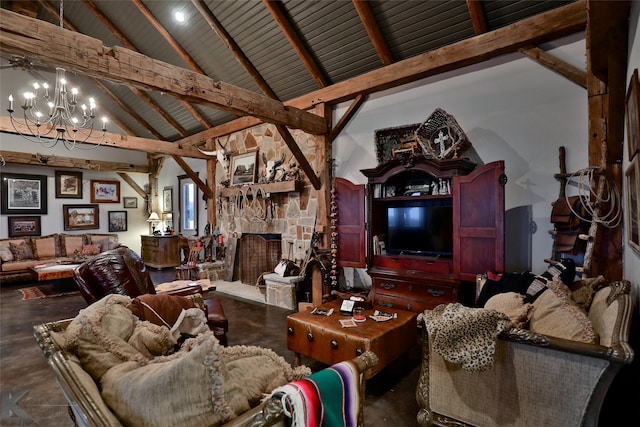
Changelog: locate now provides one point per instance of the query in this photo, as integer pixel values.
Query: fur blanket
(145, 383)
(465, 336)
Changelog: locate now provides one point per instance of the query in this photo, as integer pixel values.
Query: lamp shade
(153, 217)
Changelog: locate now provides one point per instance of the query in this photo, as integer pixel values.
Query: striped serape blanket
(327, 398)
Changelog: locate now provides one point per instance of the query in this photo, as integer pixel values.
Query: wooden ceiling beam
(351, 111)
(253, 72)
(194, 176)
(299, 155)
(538, 29)
(279, 15)
(154, 105)
(233, 47)
(134, 185)
(49, 160)
(56, 14)
(373, 30)
(544, 27)
(556, 65)
(478, 17)
(105, 89)
(168, 38)
(83, 54)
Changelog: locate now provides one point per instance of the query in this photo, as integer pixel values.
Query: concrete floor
(390, 395)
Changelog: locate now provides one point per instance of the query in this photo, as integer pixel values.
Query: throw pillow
(161, 310)
(106, 244)
(90, 249)
(21, 251)
(565, 270)
(556, 314)
(507, 282)
(184, 389)
(512, 304)
(46, 247)
(583, 290)
(71, 243)
(5, 253)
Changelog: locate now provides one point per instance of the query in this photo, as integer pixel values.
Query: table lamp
(154, 219)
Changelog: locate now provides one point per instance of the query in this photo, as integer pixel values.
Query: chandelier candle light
(70, 128)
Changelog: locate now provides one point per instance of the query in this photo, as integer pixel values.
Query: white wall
(631, 259)
(516, 111)
(53, 222)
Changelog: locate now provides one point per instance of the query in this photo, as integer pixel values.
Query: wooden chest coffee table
(322, 338)
(54, 271)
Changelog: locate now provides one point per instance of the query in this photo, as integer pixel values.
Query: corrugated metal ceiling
(331, 31)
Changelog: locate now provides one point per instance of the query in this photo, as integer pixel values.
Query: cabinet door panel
(478, 222)
(351, 223)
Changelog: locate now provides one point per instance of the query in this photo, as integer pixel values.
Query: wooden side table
(323, 338)
(160, 251)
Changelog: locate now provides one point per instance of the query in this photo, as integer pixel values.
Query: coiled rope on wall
(593, 201)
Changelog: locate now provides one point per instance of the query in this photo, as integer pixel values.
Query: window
(188, 200)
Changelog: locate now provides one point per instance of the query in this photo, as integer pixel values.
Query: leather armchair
(122, 271)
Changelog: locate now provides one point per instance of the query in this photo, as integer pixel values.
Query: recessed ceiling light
(179, 16)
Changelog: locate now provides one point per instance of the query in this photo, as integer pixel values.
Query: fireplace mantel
(263, 190)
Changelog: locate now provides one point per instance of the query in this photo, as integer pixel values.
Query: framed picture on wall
(105, 191)
(117, 221)
(244, 168)
(23, 194)
(167, 199)
(24, 226)
(632, 176)
(68, 185)
(81, 217)
(633, 115)
(130, 202)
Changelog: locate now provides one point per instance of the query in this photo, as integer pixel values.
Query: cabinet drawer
(402, 294)
(395, 303)
(393, 262)
(429, 265)
(150, 242)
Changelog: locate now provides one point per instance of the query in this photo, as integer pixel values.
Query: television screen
(420, 230)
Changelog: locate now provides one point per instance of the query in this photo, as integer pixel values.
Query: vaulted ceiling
(284, 50)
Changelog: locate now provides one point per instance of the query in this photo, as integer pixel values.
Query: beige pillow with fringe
(557, 315)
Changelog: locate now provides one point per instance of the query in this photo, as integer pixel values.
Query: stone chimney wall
(252, 210)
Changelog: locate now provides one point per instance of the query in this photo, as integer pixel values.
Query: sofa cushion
(556, 314)
(512, 304)
(69, 243)
(18, 266)
(105, 244)
(46, 246)
(90, 249)
(5, 253)
(21, 251)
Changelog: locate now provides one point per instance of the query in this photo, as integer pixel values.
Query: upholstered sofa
(535, 378)
(19, 254)
(116, 370)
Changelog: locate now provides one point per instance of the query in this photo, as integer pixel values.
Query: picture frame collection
(24, 198)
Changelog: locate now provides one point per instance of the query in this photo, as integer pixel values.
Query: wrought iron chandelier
(59, 119)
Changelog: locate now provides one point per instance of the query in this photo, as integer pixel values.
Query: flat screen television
(420, 230)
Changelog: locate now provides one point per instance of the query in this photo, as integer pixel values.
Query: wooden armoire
(408, 270)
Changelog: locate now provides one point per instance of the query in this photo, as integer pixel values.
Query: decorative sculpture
(441, 137)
